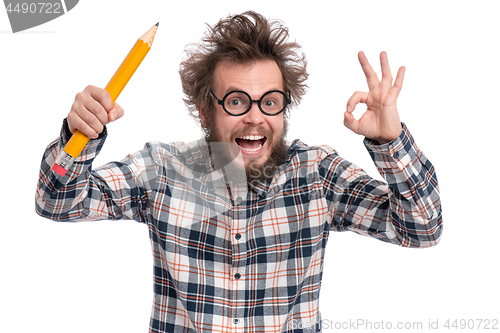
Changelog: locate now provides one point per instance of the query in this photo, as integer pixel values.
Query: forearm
(63, 198)
(414, 199)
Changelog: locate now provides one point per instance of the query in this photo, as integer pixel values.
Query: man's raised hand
(381, 120)
(92, 109)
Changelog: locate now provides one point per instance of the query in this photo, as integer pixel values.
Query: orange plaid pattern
(232, 258)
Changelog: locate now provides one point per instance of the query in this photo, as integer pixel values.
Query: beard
(255, 171)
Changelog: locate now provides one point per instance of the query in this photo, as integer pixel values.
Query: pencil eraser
(59, 169)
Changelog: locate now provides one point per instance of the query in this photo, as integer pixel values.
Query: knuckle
(93, 107)
(80, 96)
(88, 88)
(94, 124)
(94, 121)
(71, 118)
(102, 93)
(72, 113)
(86, 118)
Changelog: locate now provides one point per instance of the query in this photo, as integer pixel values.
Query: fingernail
(112, 116)
(349, 108)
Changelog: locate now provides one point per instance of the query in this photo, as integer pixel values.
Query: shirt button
(237, 276)
(236, 320)
(396, 155)
(238, 200)
(238, 236)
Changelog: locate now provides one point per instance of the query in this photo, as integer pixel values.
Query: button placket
(239, 259)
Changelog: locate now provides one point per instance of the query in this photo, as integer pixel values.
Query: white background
(97, 276)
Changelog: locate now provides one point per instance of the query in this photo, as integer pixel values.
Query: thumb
(115, 113)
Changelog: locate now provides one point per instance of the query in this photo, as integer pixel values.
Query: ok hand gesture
(381, 121)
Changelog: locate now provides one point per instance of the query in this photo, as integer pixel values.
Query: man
(239, 220)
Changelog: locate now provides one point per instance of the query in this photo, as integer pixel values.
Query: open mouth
(251, 143)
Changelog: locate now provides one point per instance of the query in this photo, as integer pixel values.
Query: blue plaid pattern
(232, 258)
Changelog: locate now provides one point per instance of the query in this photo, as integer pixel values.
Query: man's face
(256, 134)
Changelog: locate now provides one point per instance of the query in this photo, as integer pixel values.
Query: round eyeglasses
(237, 102)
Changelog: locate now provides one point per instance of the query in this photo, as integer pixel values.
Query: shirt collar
(232, 174)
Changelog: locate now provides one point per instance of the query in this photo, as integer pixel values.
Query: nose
(254, 116)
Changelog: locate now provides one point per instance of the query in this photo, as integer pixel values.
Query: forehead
(254, 77)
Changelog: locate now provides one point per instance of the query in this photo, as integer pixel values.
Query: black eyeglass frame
(222, 101)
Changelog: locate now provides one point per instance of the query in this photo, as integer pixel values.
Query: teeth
(252, 150)
(252, 137)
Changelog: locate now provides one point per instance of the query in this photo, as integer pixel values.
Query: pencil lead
(157, 24)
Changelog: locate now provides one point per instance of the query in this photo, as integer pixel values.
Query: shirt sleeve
(113, 191)
(404, 210)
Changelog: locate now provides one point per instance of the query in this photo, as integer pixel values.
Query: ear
(203, 116)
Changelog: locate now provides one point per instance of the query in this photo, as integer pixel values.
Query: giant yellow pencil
(115, 86)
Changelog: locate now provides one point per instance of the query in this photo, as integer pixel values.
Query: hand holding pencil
(94, 107)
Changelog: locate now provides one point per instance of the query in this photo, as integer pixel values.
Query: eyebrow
(233, 88)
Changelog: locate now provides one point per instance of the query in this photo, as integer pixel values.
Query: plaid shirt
(232, 258)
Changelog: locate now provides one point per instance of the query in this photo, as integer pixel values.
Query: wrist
(66, 130)
(395, 133)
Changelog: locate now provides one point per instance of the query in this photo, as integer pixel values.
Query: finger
(84, 103)
(115, 113)
(356, 98)
(75, 122)
(398, 84)
(386, 70)
(371, 76)
(350, 122)
(102, 96)
(92, 121)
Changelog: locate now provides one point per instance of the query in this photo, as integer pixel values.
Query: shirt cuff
(393, 155)
(66, 133)
(91, 149)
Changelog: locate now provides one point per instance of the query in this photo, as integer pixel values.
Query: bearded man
(240, 218)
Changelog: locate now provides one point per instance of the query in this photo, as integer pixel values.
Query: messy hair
(242, 39)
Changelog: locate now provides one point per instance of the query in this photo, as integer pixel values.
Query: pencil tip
(157, 24)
